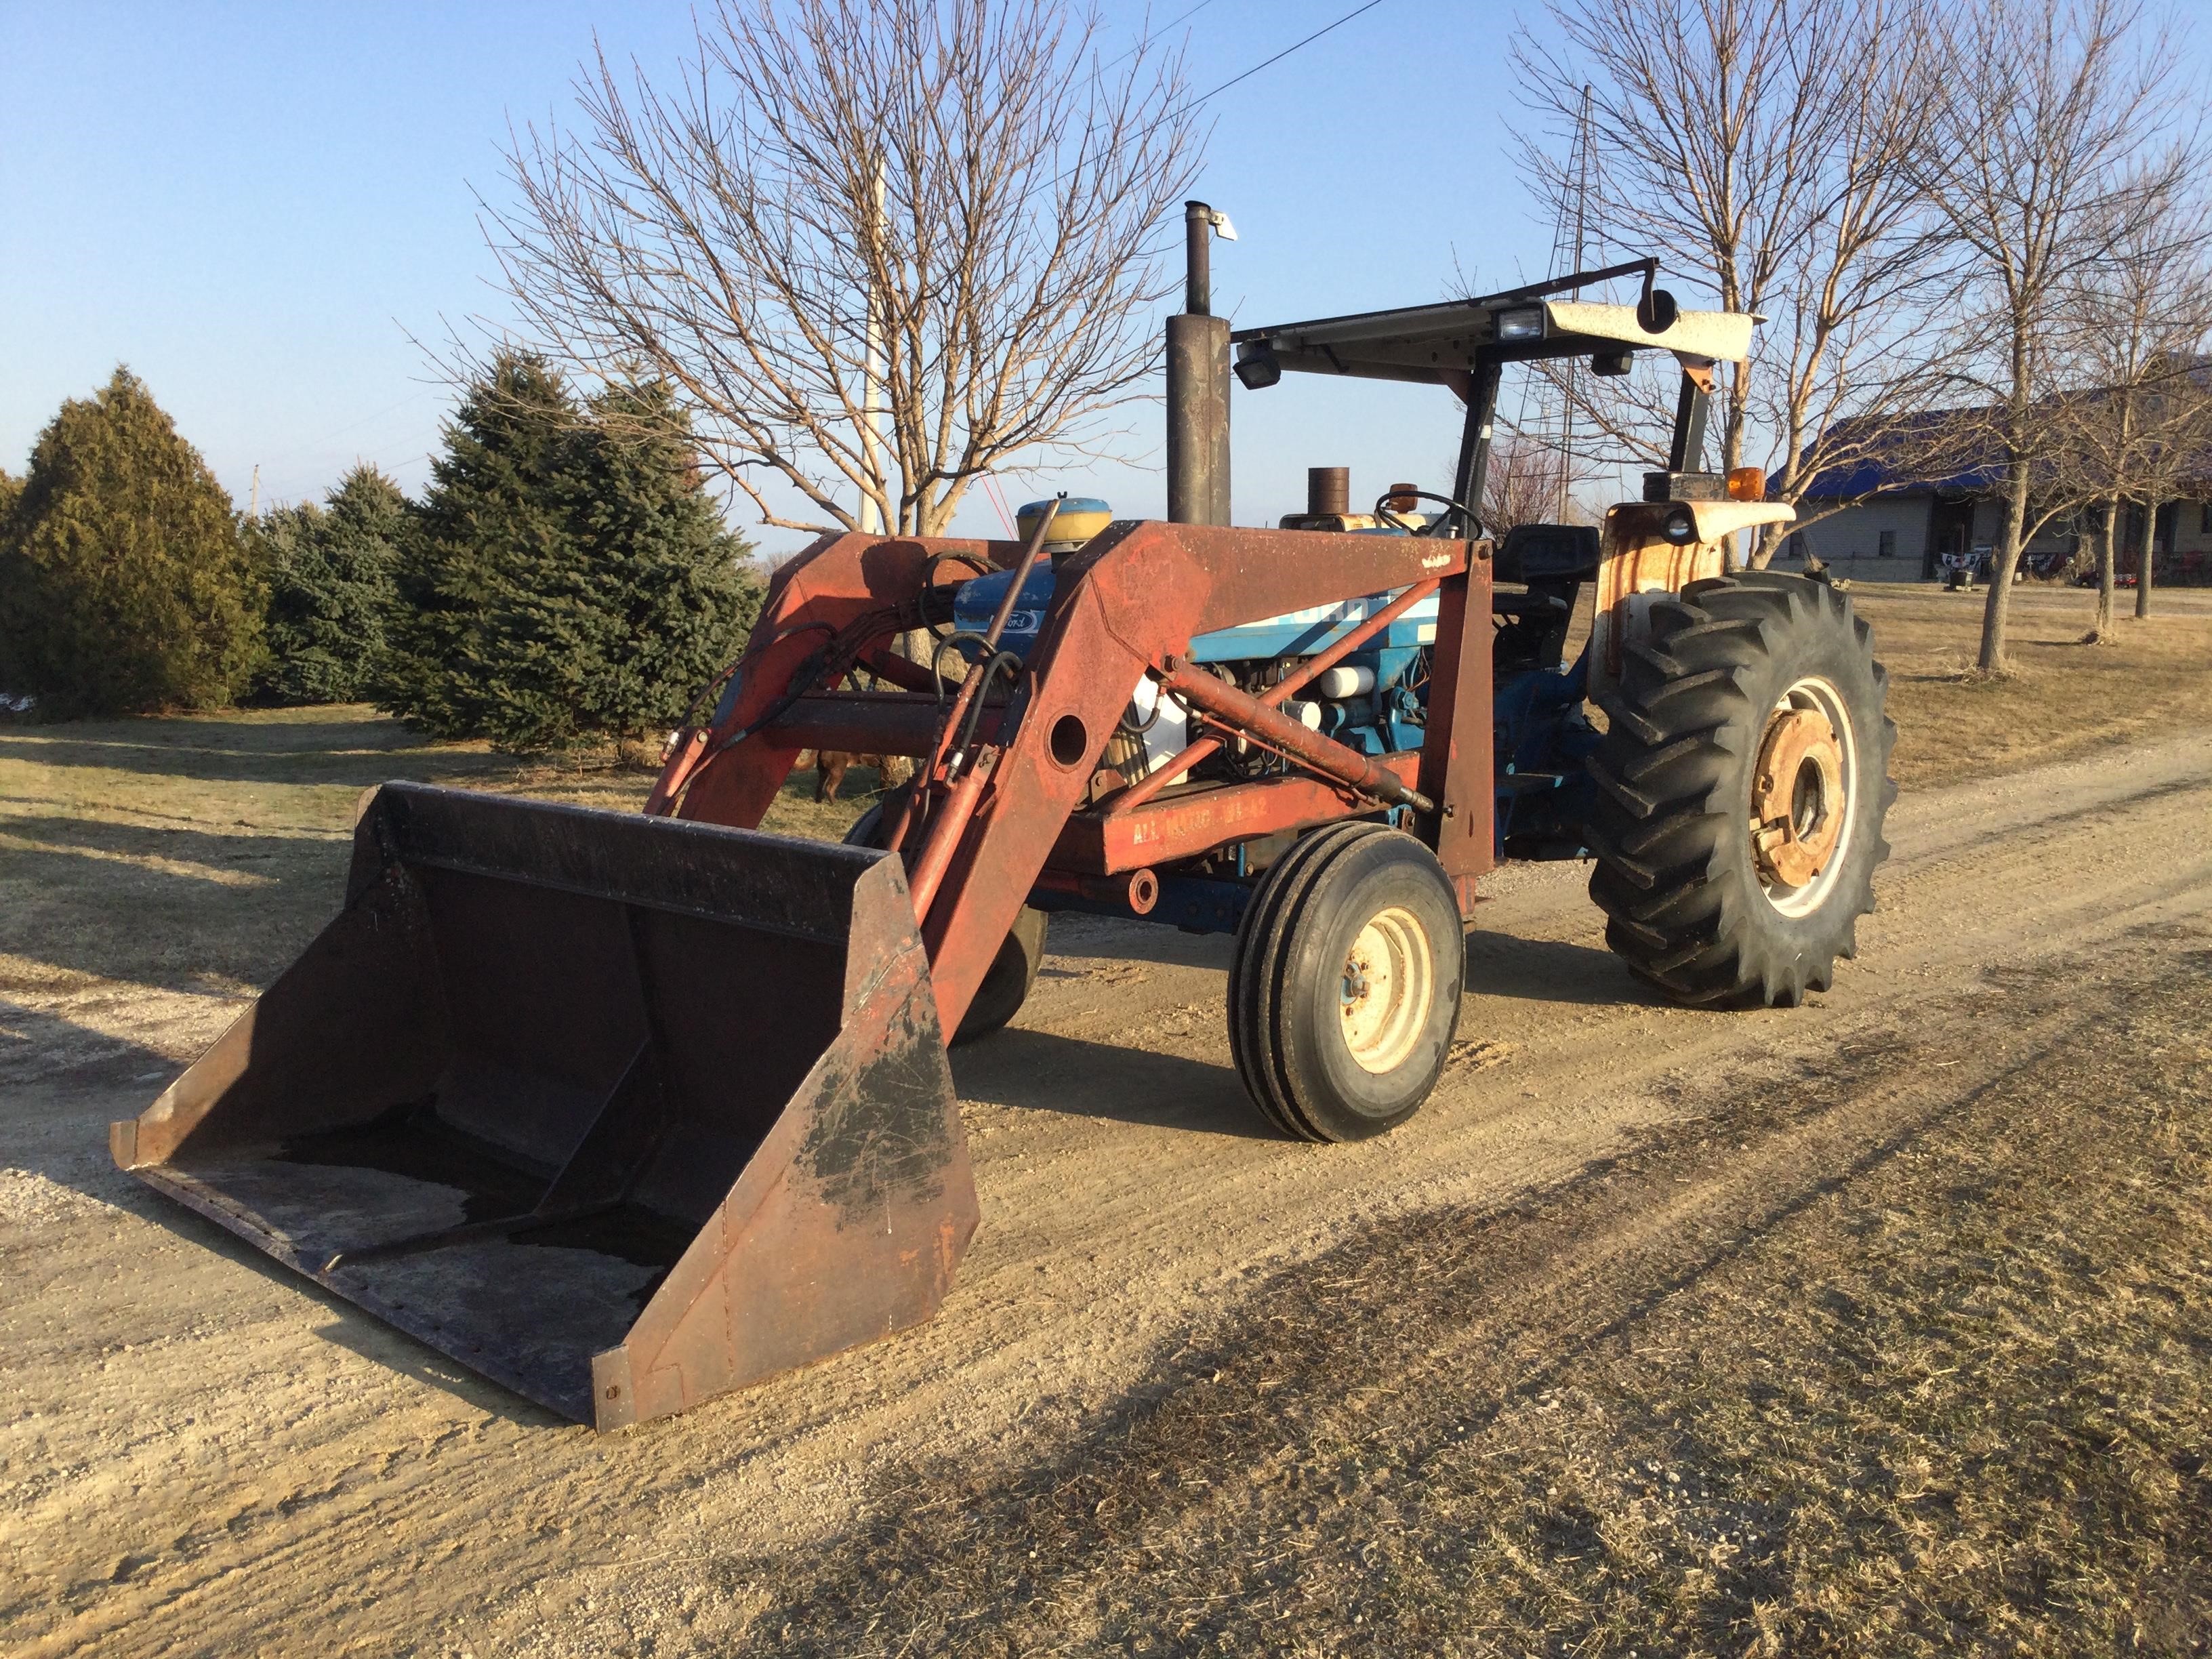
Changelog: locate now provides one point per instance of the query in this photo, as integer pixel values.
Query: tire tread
(1674, 750)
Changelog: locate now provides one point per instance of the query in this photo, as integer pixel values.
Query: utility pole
(255, 511)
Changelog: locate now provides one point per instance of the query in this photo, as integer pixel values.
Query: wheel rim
(1388, 981)
(1800, 796)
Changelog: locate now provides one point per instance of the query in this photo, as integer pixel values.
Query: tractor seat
(1550, 607)
(1547, 553)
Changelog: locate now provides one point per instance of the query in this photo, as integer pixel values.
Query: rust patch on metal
(1797, 801)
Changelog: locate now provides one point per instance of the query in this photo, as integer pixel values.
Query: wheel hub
(1797, 798)
(1384, 995)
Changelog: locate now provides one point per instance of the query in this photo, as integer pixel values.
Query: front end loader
(624, 1111)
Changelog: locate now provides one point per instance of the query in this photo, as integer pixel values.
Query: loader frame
(1127, 605)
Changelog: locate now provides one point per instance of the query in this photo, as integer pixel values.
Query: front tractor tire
(1013, 971)
(1345, 989)
(1742, 784)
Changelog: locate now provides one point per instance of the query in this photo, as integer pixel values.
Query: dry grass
(199, 854)
(2063, 698)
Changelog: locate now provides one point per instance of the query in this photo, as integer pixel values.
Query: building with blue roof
(1921, 491)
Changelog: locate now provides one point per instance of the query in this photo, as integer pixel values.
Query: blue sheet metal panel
(1295, 633)
(1543, 739)
(1303, 633)
(977, 602)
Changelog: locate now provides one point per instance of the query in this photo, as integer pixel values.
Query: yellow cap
(1081, 517)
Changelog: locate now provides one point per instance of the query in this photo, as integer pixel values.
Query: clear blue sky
(255, 206)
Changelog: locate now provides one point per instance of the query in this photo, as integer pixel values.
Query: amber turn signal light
(1746, 483)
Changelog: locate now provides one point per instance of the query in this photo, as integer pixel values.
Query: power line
(355, 425)
(1193, 103)
(1283, 54)
(1157, 33)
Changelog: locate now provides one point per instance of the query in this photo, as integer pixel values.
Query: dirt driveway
(202, 1455)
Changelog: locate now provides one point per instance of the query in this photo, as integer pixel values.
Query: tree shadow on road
(196, 910)
(344, 752)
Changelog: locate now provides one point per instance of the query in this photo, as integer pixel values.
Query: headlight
(1680, 526)
(1521, 325)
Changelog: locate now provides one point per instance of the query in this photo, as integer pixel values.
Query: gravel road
(203, 1455)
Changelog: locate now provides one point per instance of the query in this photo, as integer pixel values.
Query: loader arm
(1129, 601)
(728, 770)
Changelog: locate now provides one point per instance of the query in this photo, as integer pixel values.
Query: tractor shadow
(1498, 964)
(1553, 971)
(1079, 937)
(1042, 1072)
(394, 1350)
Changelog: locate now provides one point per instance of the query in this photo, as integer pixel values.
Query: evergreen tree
(124, 583)
(282, 543)
(487, 533)
(580, 584)
(662, 594)
(330, 579)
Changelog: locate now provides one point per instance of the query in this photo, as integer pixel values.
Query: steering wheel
(1382, 512)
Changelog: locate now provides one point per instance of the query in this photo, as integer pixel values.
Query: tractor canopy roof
(1442, 343)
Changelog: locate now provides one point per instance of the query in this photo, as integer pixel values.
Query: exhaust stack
(1198, 382)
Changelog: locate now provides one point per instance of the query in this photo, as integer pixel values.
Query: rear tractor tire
(1742, 786)
(1345, 989)
(1005, 987)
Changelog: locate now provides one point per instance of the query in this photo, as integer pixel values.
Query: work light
(1259, 369)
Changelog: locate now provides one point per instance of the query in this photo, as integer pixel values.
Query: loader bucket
(619, 1111)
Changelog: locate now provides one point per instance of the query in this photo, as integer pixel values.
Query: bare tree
(2053, 145)
(2139, 431)
(1530, 481)
(1760, 150)
(2177, 424)
(942, 215)
(1846, 363)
